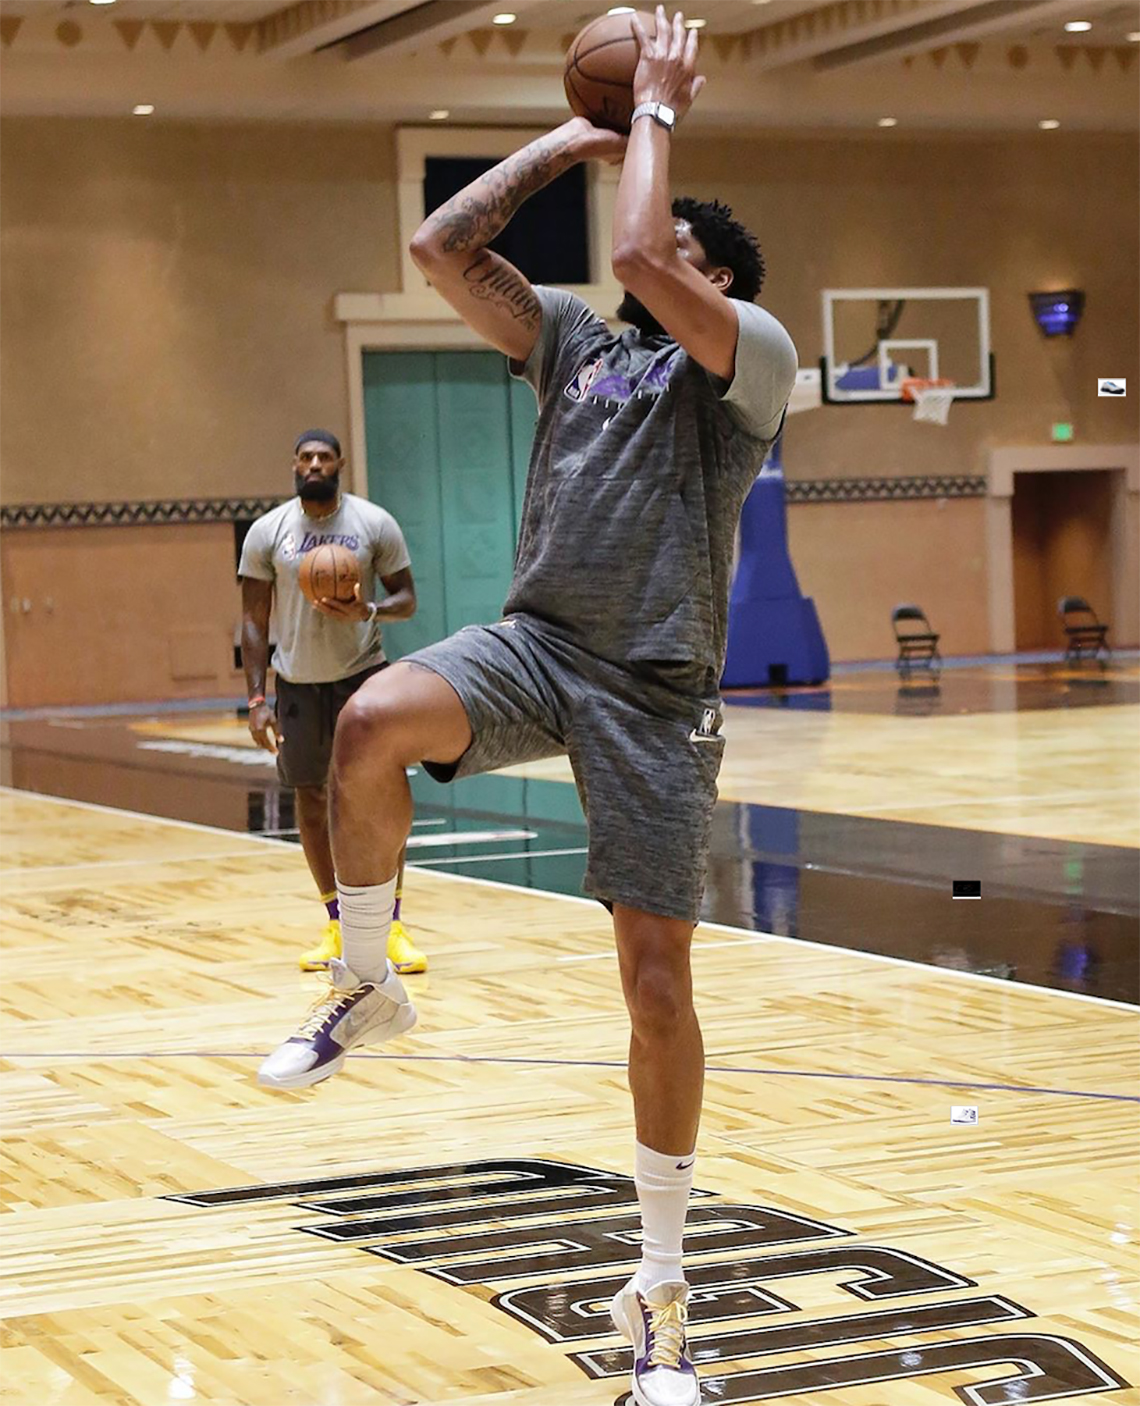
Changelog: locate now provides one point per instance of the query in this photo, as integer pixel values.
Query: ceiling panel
(1111, 24)
(221, 11)
(1112, 20)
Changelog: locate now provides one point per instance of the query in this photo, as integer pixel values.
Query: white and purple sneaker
(663, 1372)
(350, 1013)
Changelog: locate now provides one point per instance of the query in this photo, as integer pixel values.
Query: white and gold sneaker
(348, 1013)
(655, 1323)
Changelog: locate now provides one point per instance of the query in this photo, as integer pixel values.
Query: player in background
(324, 652)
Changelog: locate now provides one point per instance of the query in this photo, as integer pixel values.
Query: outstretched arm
(486, 290)
(646, 258)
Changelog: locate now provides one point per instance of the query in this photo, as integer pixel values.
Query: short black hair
(726, 242)
(317, 437)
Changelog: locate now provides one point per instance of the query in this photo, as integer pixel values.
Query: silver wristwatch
(663, 115)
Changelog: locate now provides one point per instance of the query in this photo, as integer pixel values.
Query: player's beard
(316, 490)
(634, 311)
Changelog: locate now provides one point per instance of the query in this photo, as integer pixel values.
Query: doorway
(1062, 546)
(448, 437)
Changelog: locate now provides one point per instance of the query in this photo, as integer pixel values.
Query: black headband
(321, 437)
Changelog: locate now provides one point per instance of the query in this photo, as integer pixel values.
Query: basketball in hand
(600, 65)
(329, 572)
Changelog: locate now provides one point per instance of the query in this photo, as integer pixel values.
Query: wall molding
(173, 512)
(884, 490)
(180, 511)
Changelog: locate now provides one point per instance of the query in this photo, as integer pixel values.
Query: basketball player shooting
(613, 636)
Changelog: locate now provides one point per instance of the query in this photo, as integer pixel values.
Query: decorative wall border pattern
(198, 510)
(170, 511)
(883, 490)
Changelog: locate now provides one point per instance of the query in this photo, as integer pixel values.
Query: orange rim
(913, 384)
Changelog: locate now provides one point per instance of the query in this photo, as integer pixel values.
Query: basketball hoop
(932, 398)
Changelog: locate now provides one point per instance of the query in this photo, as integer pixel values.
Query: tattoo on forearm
(494, 281)
(476, 215)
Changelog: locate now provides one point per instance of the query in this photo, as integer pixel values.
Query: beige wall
(118, 614)
(166, 299)
(859, 560)
(166, 288)
(1010, 214)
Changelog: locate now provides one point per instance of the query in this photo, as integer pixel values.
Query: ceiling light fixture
(1048, 124)
(440, 114)
(695, 24)
(505, 18)
(1078, 26)
(888, 122)
(621, 10)
(139, 109)
(102, 2)
(1134, 37)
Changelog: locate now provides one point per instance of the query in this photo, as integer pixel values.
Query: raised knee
(369, 731)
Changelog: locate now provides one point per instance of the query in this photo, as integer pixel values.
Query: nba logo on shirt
(289, 548)
(579, 387)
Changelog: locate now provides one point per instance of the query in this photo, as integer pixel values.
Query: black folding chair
(916, 645)
(1085, 636)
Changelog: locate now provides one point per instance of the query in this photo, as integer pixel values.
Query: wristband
(256, 699)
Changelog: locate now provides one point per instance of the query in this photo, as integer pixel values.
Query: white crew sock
(663, 1184)
(365, 917)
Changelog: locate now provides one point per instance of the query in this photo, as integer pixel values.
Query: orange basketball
(329, 572)
(600, 65)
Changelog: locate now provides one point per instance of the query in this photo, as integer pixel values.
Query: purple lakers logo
(616, 387)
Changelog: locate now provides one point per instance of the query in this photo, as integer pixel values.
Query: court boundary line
(95, 1056)
(498, 859)
(16, 871)
(1023, 988)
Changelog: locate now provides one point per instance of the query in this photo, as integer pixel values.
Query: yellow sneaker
(403, 953)
(317, 958)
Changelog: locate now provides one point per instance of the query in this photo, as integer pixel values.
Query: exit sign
(1062, 433)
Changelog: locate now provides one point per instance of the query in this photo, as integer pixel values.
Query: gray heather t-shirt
(311, 647)
(641, 464)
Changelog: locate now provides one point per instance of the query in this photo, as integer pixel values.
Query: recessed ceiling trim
(961, 25)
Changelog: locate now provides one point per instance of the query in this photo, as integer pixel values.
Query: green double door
(449, 435)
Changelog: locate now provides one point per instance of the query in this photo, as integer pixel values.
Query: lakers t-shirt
(313, 647)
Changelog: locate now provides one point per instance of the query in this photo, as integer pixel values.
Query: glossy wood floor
(148, 965)
(1054, 775)
(1059, 774)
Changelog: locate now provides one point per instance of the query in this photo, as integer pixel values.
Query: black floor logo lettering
(430, 1218)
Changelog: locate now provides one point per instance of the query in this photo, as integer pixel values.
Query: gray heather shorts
(643, 742)
(307, 714)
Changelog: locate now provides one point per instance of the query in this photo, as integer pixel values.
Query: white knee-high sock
(663, 1184)
(365, 917)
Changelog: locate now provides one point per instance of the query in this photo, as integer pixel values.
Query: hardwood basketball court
(853, 1244)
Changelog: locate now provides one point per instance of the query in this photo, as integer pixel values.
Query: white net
(932, 403)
